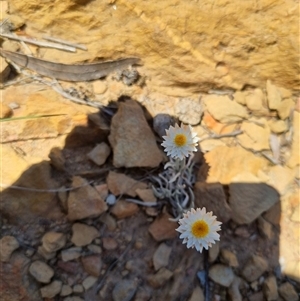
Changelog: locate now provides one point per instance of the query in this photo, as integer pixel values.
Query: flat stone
(83, 234)
(109, 221)
(94, 249)
(124, 209)
(53, 241)
(73, 298)
(99, 86)
(146, 195)
(84, 202)
(221, 274)
(78, 289)
(255, 137)
(234, 290)
(160, 278)
(278, 126)
(161, 256)
(41, 271)
(47, 255)
(255, 100)
(213, 252)
(66, 290)
(102, 189)
(274, 96)
(229, 258)
(189, 110)
(285, 108)
(99, 153)
(226, 163)
(88, 282)
(92, 264)
(288, 292)
(223, 109)
(124, 290)
(197, 294)
(240, 97)
(270, 288)
(248, 201)
(57, 158)
(254, 268)
(52, 289)
(162, 228)
(8, 244)
(213, 198)
(131, 138)
(121, 184)
(71, 253)
(265, 228)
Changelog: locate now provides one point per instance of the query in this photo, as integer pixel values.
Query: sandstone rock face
(131, 138)
(182, 44)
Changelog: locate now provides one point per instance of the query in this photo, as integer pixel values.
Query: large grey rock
(131, 138)
(248, 201)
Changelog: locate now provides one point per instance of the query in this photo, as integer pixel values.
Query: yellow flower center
(200, 229)
(180, 140)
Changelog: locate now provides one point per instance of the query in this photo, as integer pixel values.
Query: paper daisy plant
(198, 229)
(180, 141)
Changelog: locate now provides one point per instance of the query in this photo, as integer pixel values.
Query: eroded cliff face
(186, 46)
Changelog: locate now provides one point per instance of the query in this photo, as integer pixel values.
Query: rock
(161, 256)
(111, 199)
(83, 234)
(274, 96)
(197, 294)
(131, 138)
(99, 86)
(295, 217)
(270, 288)
(73, 298)
(221, 274)
(78, 289)
(99, 153)
(213, 252)
(223, 109)
(234, 290)
(228, 162)
(162, 228)
(146, 195)
(229, 258)
(102, 190)
(4, 71)
(109, 221)
(124, 209)
(109, 243)
(288, 292)
(258, 296)
(285, 108)
(254, 268)
(285, 93)
(273, 215)
(294, 158)
(45, 254)
(5, 110)
(124, 290)
(57, 158)
(162, 122)
(92, 264)
(265, 228)
(53, 241)
(278, 126)
(41, 271)
(281, 178)
(189, 110)
(51, 290)
(8, 244)
(255, 137)
(88, 282)
(255, 100)
(85, 201)
(66, 290)
(249, 201)
(160, 278)
(94, 249)
(121, 184)
(71, 253)
(213, 198)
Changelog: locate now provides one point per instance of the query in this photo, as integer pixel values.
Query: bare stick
(215, 136)
(39, 43)
(79, 46)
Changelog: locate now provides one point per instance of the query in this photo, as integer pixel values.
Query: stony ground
(79, 220)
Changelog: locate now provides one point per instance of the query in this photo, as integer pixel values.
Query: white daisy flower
(198, 229)
(180, 142)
